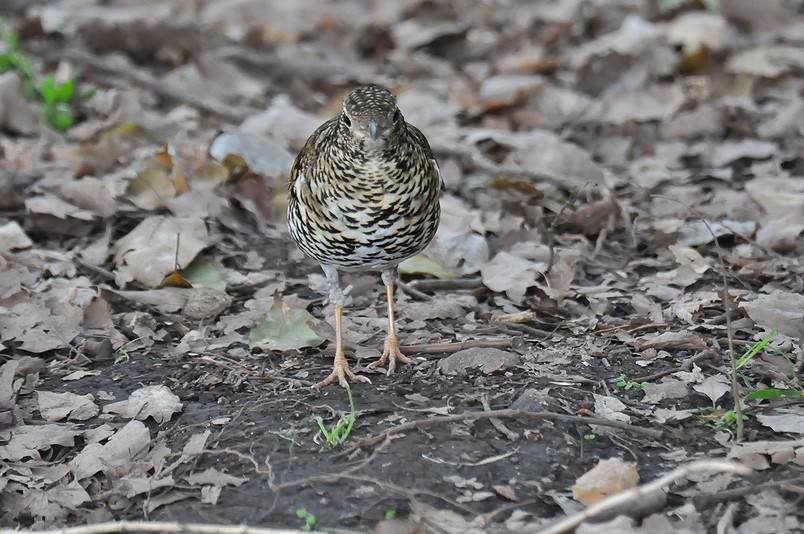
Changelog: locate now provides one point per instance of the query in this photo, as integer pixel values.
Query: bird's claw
(341, 373)
(391, 354)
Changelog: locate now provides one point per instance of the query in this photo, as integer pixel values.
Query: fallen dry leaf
(606, 478)
(66, 405)
(284, 328)
(781, 310)
(488, 361)
(151, 250)
(148, 401)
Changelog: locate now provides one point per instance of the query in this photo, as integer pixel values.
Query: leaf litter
(606, 168)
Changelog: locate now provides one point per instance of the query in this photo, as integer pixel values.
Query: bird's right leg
(340, 370)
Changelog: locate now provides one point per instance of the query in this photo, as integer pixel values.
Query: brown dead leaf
(508, 89)
(767, 61)
(690, 257)
(713, 387)
(282, 120)
(511, 275)
(694, 30)
(659, 102)
(634, 37)
(261, 154)
(556, 159)
(149, 251)
(611, 408)
(488, 360)
(27, 441)
(66, 405)
(150, 189)
(16, 114)
(13, 237)
(606, 478)
(729, 152)
(167, 300)
(213, 477)
(118, 452)
(757, 454)
(50, 204)
(206, 303)
(91, 194)
(773, 193)
(780, 309)
(783, 421)
(149, 401)
(681, 340)
(41, 326)
(781, 229)
(438, 308)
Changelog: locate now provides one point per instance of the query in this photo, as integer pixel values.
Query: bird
(364, 195)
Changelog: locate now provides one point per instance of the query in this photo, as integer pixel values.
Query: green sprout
(623, 382)
(56, 98)
(309, 519)
(340, 432)
(771, 393)
(390, 514)
(12, 58)
(57, 110)
(718, 420)
(122, 355)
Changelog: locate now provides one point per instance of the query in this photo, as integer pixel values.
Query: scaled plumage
(364, 195)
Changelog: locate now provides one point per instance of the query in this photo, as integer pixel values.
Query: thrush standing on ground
(363, 195)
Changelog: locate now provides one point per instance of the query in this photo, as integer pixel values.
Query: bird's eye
(397, 116)
(347, 121)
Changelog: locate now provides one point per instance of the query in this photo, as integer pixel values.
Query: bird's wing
(303, 169)
(438, 174)
(420, 140)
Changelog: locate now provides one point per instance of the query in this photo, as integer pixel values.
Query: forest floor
(619, 267)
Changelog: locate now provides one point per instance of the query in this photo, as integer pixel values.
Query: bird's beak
(374, 129)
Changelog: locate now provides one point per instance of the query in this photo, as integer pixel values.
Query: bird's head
(370, 115)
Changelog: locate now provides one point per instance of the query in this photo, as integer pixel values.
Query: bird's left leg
(340, 368)
(390, 351)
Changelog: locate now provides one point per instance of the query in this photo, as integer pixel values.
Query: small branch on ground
(411, 493)
(413, 292)
(446, 284)
(157, 526)
(510, 414)
(334, 477)
(724, 273)
(438, 348)
(707, 500)
(504, 430)
(640, 493)
(686, 366)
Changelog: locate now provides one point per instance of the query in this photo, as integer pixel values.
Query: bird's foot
(391, 354)
(341, 373)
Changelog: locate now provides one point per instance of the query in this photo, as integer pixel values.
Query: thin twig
(708, 499)
(439, 348)
(735, 387)
(686, 366)
(411, 492)
(413, 292)
(641, 492)
(510, 434)
(448, 283)
(105, 273)
(511, 414)
(157, 526)
(335, 477)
